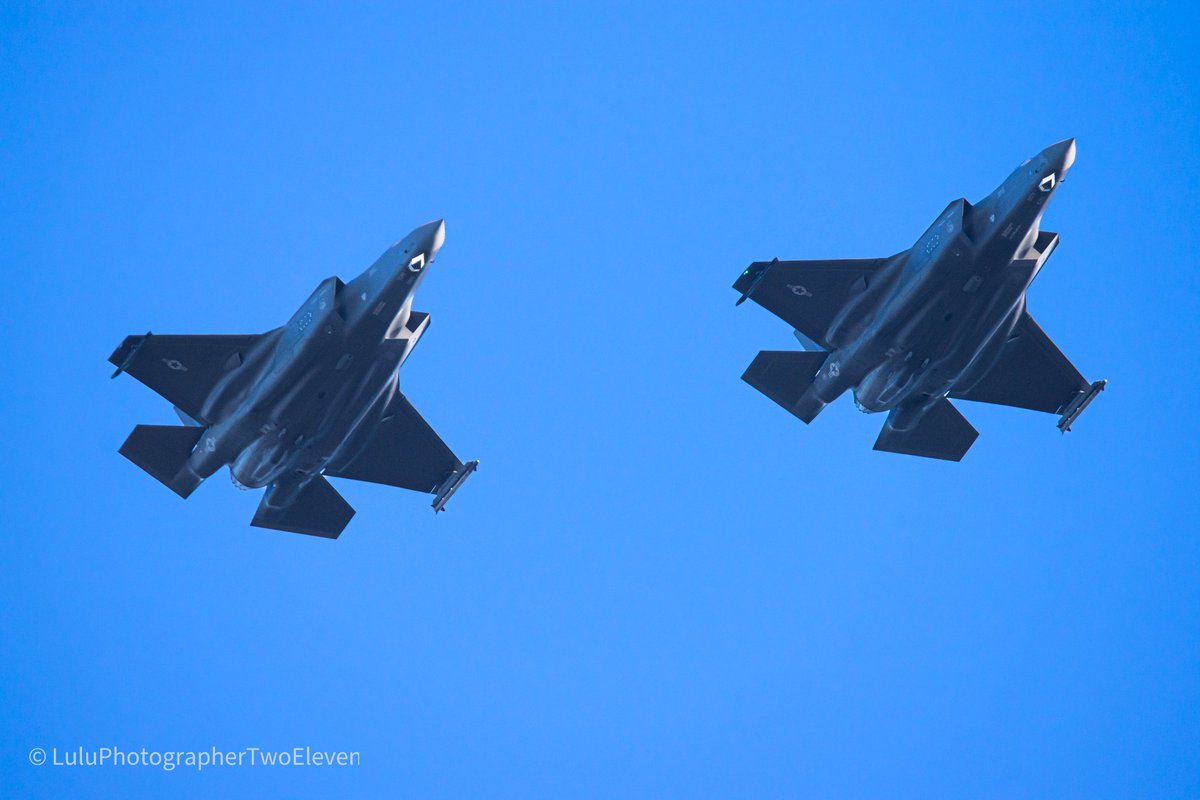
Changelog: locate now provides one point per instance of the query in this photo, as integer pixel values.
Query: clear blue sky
(658, 584)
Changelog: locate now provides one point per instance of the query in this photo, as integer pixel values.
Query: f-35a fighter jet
(315, 398)
(944, 319)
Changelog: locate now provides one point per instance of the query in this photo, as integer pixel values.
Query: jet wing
(1030, 372)
(807, 294)
(182, 369)
(404, 451)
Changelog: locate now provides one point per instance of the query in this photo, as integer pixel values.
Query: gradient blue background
(658, 584)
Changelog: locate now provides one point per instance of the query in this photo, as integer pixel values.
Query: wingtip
(452, 484)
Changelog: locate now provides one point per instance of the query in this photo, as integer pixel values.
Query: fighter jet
(945, 319)
(313, 399)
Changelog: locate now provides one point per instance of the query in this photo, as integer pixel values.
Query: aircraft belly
(946, 344)
(884, 386)
(923, 362)
(991, 314)
(946, 332)
(231, 392)
(342, 429)
(359, 392)
(298, 449)
(260, 464)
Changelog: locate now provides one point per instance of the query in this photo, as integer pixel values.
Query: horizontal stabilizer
(784, 376)
(942, 432)
(317, 511)
(162, 450)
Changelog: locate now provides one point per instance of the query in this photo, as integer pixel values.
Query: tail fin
(162, 451)
(318, 510)
(942, 432)
(784, 376)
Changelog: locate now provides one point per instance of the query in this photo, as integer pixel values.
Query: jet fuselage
(936, 318)
(304, 392)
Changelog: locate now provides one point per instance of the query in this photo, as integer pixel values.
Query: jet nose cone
(439, 233)
(431, 235)
(1061, 155)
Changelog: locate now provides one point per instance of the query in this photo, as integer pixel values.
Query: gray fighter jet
(944, 319)
(317, 397)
